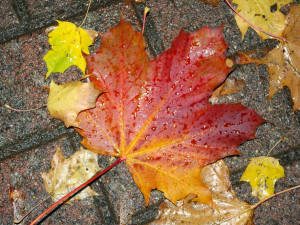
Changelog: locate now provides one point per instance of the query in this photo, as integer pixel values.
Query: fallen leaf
(284, 60)
(250, 56)
(262, 173)
(16, 198)
(211, 2)
(67, 174)
(231, 210)
(231, 85)
(264, 14)
(68, 42)
(156, 114)
(66, 101)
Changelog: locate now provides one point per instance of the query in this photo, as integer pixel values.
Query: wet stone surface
(28, 140)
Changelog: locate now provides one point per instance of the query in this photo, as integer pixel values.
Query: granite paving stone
(28, 140)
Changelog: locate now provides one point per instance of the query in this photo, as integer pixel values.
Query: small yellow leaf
(68, 42)
(262, 173)
(264, 14)
(66, 101)
(67, 174)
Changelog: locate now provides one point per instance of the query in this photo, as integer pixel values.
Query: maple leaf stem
(252, 25)
(144, 20)
(272, 196)
(23, 110)
(20, 220)
(70, 194)
(87, 11)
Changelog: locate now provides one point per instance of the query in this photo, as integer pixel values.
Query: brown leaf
(16, 197)
(284, 60)
(230, 86)
(231, 210)
(67, 174)
(211, 2)
(66, 101)
(250, 56)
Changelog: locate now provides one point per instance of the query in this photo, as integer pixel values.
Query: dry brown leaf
(231, 209)
(16, 198)
(66, 101)
(67, 174)
(211, 2)
(250, 56)
(230, 86)
(284, 60)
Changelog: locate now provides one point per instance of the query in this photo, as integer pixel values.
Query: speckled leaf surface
(156, 114)
(262, 173)
(264, 14)
(68, 43)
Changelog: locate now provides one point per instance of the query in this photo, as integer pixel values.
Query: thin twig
(23, 110)
(272, 196)
(90, 2)
(275, 145)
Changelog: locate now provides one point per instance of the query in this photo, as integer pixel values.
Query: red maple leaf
(156, 114)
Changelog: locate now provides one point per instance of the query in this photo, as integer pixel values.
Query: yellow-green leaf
(262, 173)
(264, 14)
(66, 101)
(68, 42)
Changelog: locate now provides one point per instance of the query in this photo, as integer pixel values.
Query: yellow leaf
(67, 174)
(68, 42)
(262, 173)
(264, 14)
(231, 210)
(66, 101)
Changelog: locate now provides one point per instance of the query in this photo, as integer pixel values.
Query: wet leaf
(66, 101)
(156, 114)
(67, 174)
(68, 42)
(264, 14)
(229, 209)
(231, 85)
(284, 60)
(262, 173)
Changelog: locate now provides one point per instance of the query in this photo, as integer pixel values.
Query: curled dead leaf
(16, 198)
(231, 210)
(231, 85)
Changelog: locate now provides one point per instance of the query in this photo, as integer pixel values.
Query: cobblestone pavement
(28, 140)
